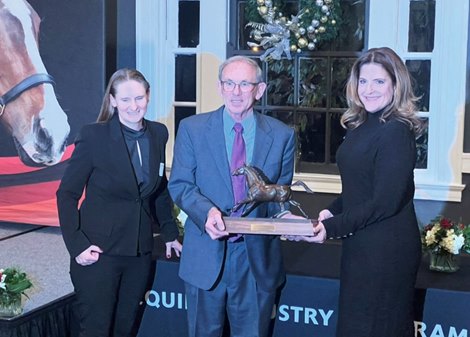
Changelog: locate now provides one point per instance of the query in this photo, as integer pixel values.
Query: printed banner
(307, 307)
(52, 84)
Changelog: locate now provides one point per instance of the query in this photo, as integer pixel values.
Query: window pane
(337, 135)
(422, 148)
(313, 86)
(311, 135)
(185, 78)
(182, 112)
(352, 26)
(341, 68)
(420, 71)
(188, 24)
(421, 29)
(285, 116)
(280, 89)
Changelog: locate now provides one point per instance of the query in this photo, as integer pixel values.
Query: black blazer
(113, 215)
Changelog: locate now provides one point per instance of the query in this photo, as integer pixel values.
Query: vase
(10, 305)
(443, 262)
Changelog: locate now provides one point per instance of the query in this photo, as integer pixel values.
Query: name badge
(161, 170)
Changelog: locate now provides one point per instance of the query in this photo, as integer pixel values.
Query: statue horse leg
(249, 207)
(296, 204)
(301, 183)
(239, 204)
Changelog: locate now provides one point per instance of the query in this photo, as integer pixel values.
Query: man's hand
(215, 226)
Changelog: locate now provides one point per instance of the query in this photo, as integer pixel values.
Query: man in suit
(234, 276)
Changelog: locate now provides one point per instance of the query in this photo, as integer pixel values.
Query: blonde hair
(120, 76)
(403, 104)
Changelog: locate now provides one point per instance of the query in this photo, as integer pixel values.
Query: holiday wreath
(315, 22)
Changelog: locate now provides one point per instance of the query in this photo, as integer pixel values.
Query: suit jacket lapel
(263, 141)
(216, 143)
(155, 157)
(120, 155)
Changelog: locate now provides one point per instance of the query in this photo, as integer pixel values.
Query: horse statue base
(269, 226)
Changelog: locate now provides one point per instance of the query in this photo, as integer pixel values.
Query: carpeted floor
(40, 252)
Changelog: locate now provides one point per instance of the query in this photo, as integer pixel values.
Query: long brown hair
(403, 104)
(121, 75)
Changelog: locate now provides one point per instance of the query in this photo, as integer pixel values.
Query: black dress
(375, 217)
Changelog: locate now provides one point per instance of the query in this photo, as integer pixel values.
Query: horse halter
(26, 84)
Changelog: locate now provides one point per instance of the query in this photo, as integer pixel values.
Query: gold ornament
(323, 19)
(333, 22)
(321, 29)
(260, 2)
(263, 10)
(293, 48)
(302, 43)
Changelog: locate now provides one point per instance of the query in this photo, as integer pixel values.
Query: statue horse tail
(301, 183)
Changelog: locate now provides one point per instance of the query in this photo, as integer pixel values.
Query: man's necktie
(238, 160)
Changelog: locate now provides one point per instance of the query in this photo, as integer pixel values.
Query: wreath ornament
(315, 23)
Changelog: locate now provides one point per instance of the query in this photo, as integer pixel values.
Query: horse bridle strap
(27, 83)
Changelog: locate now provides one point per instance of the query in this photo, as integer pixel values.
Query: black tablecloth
(52, 320)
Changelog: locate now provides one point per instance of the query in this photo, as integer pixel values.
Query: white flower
(452, 243)
(431, 236)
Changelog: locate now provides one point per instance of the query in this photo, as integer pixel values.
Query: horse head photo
(28, 105)
(260, 189)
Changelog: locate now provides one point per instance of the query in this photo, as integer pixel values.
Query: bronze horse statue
(260, 189)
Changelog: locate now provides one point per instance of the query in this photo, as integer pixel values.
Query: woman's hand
(176, 246)
(319, 231)
(324, 214)
(89, 256)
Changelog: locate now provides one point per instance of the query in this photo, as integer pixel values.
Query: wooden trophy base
(269, 226)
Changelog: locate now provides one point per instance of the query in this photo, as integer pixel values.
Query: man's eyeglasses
(243, 85)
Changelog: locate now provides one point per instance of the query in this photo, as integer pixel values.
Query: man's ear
(260, 88)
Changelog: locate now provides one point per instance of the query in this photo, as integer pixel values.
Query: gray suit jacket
(200, 179)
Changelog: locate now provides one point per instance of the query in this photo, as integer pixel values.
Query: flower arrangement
(13, 283)
(444, 239)
(314, 23)
(443, 236)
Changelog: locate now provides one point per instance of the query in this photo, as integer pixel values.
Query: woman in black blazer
(118, 165)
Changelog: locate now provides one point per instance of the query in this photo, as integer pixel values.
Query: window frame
(441, 180)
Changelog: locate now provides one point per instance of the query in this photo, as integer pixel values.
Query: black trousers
(110, 293)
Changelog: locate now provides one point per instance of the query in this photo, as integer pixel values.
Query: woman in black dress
(374, 215)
